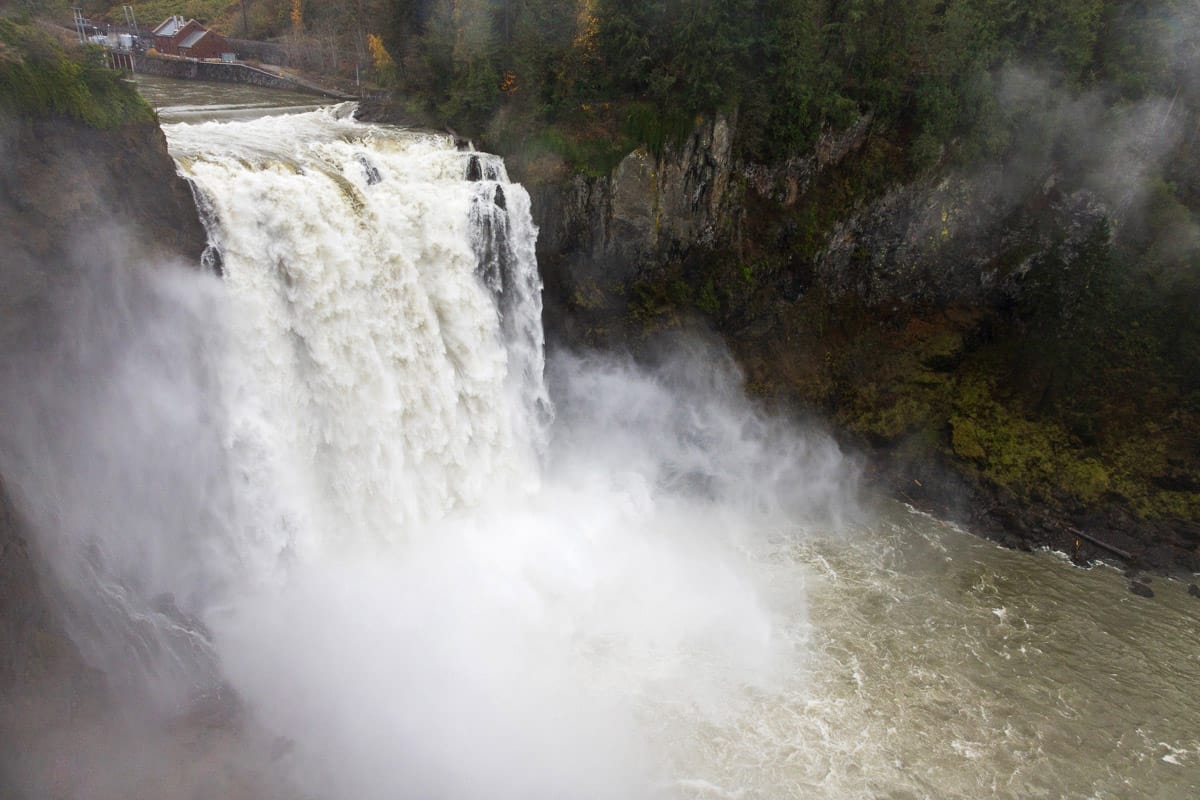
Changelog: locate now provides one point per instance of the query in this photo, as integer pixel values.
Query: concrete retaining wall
(266, 52)
(223, 73)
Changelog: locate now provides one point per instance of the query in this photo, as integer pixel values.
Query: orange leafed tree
(380, 57)
(385, 66)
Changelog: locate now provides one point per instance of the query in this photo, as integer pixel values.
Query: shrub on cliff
(38, 77)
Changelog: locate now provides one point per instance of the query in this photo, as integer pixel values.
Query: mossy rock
(888, 419)
(966, 439)
(1086, 479)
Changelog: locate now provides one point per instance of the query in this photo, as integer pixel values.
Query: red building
(174, 37)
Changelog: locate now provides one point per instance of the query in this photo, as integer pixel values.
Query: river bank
(1105, 533)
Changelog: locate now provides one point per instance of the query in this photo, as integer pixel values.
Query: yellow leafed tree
(381, 58)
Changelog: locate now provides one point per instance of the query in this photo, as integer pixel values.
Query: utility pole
(245, 25)
(80, 24)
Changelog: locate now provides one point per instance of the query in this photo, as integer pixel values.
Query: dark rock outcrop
(64, 184)
(943, 242)
(615, 229)
(1140, 589)
(948, 324)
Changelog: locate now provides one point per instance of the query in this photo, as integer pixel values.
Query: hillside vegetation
(645, 68)
(38, 76)
(595, 77)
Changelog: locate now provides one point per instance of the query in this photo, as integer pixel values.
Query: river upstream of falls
(428, 563)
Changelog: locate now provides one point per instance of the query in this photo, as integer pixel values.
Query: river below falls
(919, 660)
(944, 666)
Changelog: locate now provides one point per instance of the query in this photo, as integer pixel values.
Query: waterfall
(317, 525)
(387, 314)
(330, 486)
(432, 596)
(369, 361)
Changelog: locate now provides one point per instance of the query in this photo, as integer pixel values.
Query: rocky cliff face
(620, 226)
(963, 326)
(604, 238)
(72, 198)
(942, 242)
(64, 183)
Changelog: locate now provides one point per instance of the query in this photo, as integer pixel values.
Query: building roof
(169, 27)
(193, 37)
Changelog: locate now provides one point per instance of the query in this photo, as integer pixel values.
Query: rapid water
(363, 517)
(176, 100)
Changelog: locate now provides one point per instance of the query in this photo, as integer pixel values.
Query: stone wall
(221, 72)
(265, 52)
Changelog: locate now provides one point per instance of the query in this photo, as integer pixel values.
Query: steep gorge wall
(959, 326)
(73, 199)
(602, 237)
(64, 184)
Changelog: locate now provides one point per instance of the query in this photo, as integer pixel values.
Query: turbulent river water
(431, 565)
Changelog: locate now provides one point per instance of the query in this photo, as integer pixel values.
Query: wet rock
(1141, 589)
(384, 110)
(599, 235)
(950, 240)
(212, 260)
(474, 169)
(369, 170)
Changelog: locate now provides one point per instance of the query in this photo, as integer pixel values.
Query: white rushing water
(425, 597)
(331, 484)
(371, 378)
